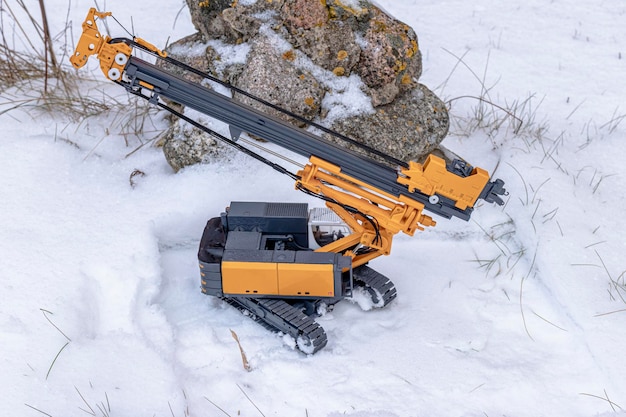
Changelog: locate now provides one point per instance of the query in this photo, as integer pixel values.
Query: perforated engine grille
(286, 210)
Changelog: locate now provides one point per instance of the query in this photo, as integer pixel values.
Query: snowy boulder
(347, 65)
(391, 61)
(227, 20)
(192, 51)
(412, 126)
(185, 145)
(329, 42)
(270, 75)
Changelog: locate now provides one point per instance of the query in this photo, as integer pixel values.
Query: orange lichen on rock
(290, 55)
(339, 71)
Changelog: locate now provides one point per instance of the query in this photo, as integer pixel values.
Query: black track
(376, 283)
(278, 315)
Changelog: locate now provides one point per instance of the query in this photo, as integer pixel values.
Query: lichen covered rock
(407, 129)
(391, 63)
(296, 51)
(185, 145)
(270, 74)
(192, 51)
(329, 42)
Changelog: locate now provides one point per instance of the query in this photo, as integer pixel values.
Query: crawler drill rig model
(278, 261)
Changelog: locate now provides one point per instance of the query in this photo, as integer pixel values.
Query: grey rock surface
(185, 145)
(329, 43)
(407, 129)
(270, 75)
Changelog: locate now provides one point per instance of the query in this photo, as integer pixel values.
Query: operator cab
(325, 227)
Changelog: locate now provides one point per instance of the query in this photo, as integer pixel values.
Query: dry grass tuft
(31, 76)
(34, 79)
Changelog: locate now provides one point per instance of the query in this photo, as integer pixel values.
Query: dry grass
(31, 76)
(512, 119)
(34, 79)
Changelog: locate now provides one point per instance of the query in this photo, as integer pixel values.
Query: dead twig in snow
(217, 406)
(244, 359)
(251, 402)
(605, 398)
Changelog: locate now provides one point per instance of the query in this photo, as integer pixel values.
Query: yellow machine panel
(249, 278)
(306, 279)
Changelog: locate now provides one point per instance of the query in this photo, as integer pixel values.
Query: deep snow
(518, 312)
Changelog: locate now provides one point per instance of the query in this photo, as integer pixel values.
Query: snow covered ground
(519, 312)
